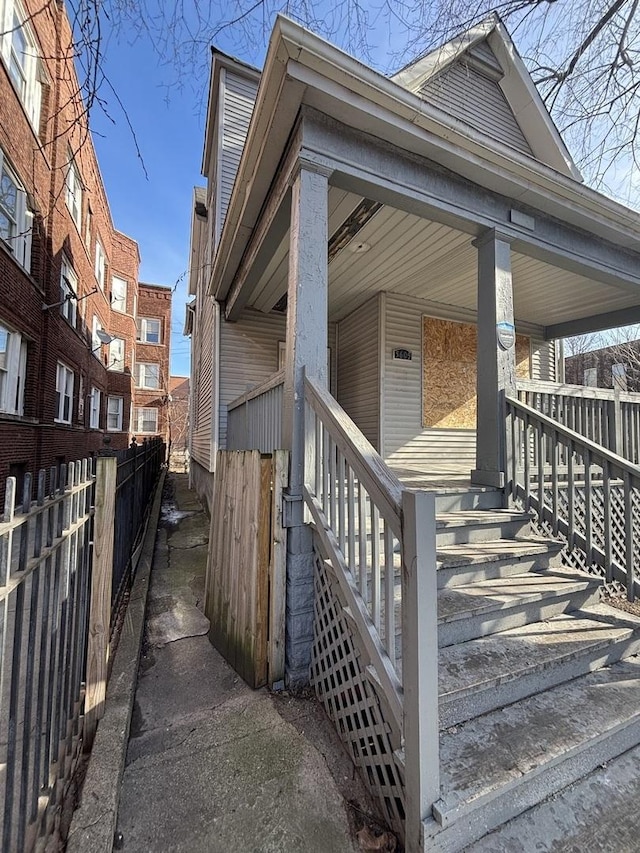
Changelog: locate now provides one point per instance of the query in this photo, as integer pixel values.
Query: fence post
(100, 602)
(419, 663)
(615, 423)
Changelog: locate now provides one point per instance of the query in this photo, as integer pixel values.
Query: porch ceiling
(403, 253)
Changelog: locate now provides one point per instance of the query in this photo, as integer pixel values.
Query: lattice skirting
(340, 675)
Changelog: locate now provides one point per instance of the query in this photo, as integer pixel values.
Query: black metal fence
(138, 471)
(45, 578)
(51, 537)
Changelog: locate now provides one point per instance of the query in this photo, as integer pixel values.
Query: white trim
(65, 378)
(118, 413)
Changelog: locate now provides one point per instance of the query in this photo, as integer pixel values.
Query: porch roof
(304, 70)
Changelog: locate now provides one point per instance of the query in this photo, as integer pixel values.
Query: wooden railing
(254, 420)
(580, 492)
(380, 542)
(608, 417)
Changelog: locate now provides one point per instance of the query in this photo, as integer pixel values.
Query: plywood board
(449, 357)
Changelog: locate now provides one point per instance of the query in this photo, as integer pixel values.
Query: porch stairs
(539, 683)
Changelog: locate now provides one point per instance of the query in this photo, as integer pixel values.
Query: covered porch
(415, 280)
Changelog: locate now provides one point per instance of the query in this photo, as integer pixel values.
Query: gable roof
(480, 79)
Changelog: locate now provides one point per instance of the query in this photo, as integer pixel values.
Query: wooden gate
(246, 569)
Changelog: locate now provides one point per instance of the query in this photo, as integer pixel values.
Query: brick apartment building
(615, 366)
(71, 310)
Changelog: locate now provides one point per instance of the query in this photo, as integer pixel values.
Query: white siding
(466, 94)
(359, 368)
(248, 356)
(202, 349)
(237, 99)
(543, 360)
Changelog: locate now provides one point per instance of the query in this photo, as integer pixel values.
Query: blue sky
(169, 127)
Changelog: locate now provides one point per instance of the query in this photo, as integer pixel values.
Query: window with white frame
(99, 268)
(590, 377)
(619, 376)
(96, 343)
(19, 51)
(73, 193)
(145, 420)
(87, 228)
(94, 408)
(116, 355)
(115, 407)
(64, 394)
(16, 220)
(147, 375)
(119, 294)
(149, 330)
(68, 292)
(13, 371)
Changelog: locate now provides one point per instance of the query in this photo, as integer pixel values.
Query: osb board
(449, 354)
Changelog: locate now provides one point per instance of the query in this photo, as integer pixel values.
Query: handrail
(569, 434)
(272, 382)
(584, 392)
(380, 482)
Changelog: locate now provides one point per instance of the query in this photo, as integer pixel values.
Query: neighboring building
(616, 366)
(178, 414)
(151, 372)
(68, 277)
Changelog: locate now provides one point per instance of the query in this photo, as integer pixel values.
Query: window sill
(17, 419)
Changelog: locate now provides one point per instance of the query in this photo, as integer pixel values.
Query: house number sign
(506, 335)
(402, 354)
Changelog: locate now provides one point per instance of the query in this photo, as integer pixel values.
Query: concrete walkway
(211, 764)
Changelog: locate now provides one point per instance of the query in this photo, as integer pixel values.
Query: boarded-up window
(449, 356)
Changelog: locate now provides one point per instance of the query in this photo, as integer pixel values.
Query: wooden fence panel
(244, 593)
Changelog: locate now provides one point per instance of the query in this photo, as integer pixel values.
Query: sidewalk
(213, 766)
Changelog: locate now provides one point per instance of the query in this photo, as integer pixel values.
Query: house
(380, 267)
(615, 366)
(151, 374)
(179, 422)
(69, 291)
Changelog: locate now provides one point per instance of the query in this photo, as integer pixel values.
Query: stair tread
(487, 661)
(488, 595)
(466, 554)
(581, 817)
(497, 751)
(464, 518)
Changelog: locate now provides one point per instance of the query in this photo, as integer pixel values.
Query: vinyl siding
(463, 92)
(543, 360)
(358, 368)
(237, 99)
(248, 356)
(406, 443)
(203, 344)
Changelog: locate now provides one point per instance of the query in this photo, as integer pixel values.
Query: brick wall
(39, 157)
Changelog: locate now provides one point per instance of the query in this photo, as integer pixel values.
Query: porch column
(306, 350)
(496, 356)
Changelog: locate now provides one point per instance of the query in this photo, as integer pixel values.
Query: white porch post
(496, 356)
(306, 350)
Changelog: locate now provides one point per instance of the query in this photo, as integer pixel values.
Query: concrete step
(464, 563)
(481, 525)
(488, 607)
(496, 766)
(597, 814)
(490, 672)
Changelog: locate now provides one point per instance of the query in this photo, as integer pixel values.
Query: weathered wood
(277, 570)
(100, 601)
(238, 574)
(383, 486)
(420, 663)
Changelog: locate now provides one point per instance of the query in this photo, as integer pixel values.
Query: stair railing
(380, 541)
(579, 492)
